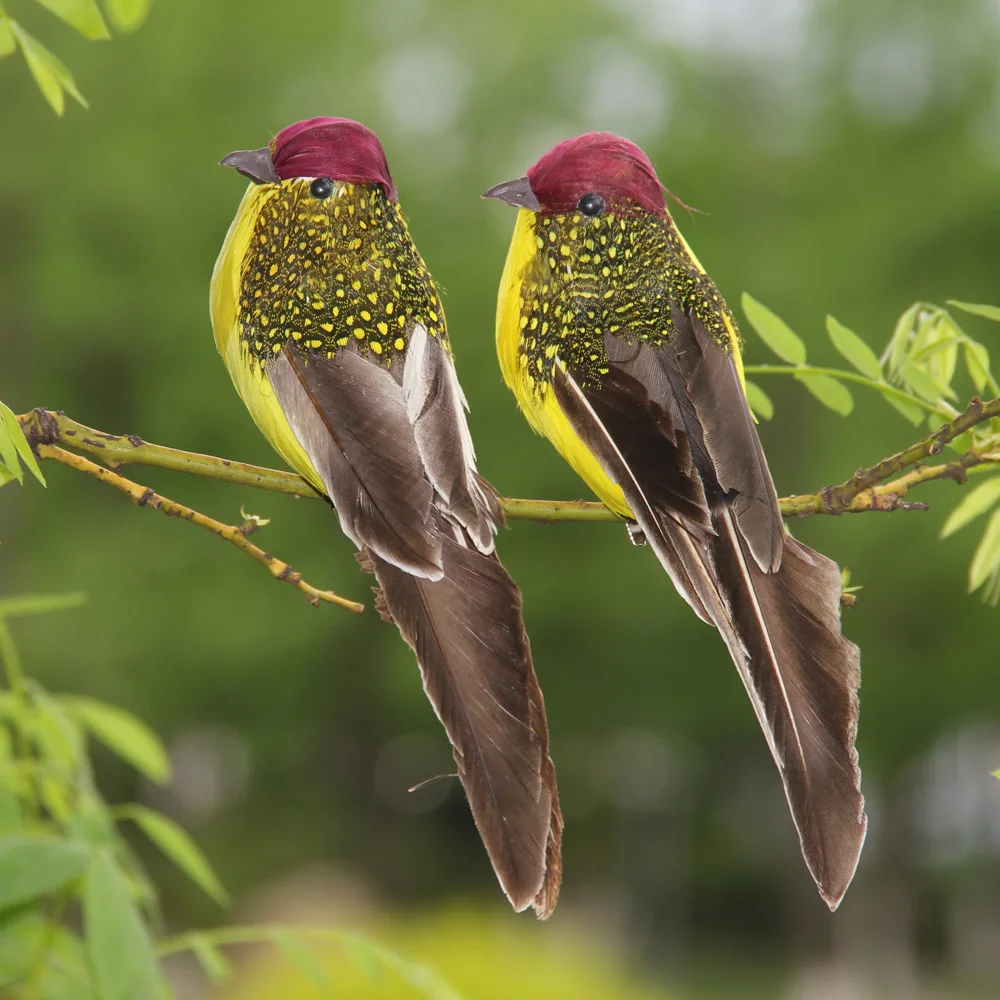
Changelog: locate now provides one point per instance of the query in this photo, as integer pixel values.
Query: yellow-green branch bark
(142, 496)
(865, 491)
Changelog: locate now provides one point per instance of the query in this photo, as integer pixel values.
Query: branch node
(831, 503)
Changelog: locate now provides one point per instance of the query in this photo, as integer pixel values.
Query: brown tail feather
(782, 630)
(802, 676)
(475, 661)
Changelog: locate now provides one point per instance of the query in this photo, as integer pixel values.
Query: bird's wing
(350, 417)
(396, 459)
(670, 425)
(436, 408)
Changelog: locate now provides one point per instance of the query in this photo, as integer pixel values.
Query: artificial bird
(332, 330)
(621, 351)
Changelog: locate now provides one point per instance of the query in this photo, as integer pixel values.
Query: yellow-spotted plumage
(332, 330)
(538, 405)
(247, 372)
(620, 350)
(574, 278)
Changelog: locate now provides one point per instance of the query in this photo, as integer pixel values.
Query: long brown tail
(475, 660)
(783, 632)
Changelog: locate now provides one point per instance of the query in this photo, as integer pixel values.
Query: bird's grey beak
(517, 193)
(253, 163)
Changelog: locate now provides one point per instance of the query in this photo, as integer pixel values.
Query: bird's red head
(599, 163)
(338, 148)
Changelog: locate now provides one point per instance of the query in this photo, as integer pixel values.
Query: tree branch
(865, 491)
(142, 496)
(862, 488)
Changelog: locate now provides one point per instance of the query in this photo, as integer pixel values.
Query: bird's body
(565, 284)
(332, 330)
(322, 281)
(620, 350)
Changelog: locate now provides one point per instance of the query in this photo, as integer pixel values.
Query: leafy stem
(845, 376)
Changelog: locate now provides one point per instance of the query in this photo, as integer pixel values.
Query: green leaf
(214, 964)
(902, 336)
(176, 844)
(6, 476)
(127, 15)
(119, 946)
(7, 43)
(302, 958)
(774, 331)
(940, 354)
(962, 443)
(977, 309)
(11, 817)
(84, 15)
(909, 410)
(977, 360)
(854, 349)
(20, 442)
(39, 604)
(56, 734)
(923, 384)
(829, 392)
(39, 61)
(125, 735)
(8, 453)
(32, 866)
(66, 973)
(979, 501)
(759, 401)
(91, 824)
(986, 558)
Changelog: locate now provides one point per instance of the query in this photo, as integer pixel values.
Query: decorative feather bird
(332, 330)
(621, 351)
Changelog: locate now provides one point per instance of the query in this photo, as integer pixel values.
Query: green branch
(872, 489)
(45, 427)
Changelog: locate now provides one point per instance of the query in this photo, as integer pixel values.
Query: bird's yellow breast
(534, 396)
(249, 375)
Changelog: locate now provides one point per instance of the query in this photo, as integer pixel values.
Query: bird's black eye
(321, 188)
(591, 204)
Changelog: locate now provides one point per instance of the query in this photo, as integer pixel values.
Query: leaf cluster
(915, 375)
(79, 916)
(52, 77)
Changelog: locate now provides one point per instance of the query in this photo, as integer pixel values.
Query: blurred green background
(846, 159)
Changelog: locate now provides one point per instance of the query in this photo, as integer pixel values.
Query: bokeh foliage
(846, 155)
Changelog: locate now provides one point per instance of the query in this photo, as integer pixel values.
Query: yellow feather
(248, 375)
(539, 405)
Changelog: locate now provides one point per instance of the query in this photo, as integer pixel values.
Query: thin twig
(142, 496)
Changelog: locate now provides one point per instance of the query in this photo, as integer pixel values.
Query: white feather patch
(429, 381)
